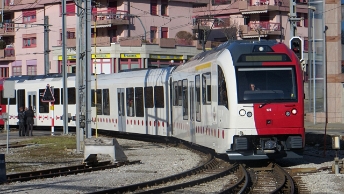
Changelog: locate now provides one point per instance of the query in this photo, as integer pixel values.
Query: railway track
(12, 145)
(55, 172)
(271, 179)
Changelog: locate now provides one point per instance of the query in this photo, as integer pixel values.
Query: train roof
(235, 47)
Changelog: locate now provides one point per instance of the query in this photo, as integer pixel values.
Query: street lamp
(313, 54)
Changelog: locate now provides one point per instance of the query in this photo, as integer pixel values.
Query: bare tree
(184, 38)
(229, 28)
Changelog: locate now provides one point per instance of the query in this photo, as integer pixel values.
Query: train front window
(272, 84)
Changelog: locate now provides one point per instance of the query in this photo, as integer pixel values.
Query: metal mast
(64, 67)
(88, 69)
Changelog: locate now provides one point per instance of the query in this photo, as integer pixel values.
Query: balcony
(109, 18)
(7, 30)
(257, 5)
(7, 54)
(265, 28)
(71, 43)
(192, 1)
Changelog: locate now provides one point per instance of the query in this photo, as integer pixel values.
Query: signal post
(48, 96)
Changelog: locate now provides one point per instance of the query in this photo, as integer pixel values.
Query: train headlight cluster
(243, 112)
(293, 111)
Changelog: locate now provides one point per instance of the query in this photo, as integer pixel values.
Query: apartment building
(115, 21)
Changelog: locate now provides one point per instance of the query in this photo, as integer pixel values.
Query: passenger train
(242, 98)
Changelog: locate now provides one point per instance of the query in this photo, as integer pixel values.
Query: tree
(229, 28)
(184, 38)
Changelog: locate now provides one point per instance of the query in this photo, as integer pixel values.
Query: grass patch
(42, 151)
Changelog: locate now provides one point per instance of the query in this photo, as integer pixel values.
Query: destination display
(264, 58)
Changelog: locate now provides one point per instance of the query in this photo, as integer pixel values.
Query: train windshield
(266, 84)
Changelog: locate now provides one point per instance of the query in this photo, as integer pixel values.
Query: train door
(121, 110)
(192, 111)
(31, 101)
(214, 95)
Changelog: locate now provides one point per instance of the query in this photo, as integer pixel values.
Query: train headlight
(242, 112)
(294, 111)
(249, 114)
(287, 113)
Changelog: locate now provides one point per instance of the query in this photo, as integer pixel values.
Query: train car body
(207, 101)
(228, 115)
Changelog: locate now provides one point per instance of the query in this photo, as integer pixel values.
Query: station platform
(331, 128)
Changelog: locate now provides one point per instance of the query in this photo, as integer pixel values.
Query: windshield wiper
(265, 103)
(269, 102)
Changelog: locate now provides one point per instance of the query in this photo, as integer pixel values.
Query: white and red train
(243, 99)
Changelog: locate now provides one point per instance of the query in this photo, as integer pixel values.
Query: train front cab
(271, 113)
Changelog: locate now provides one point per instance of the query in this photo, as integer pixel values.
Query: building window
(16, 70)
(153, 31)
(29, 16)
(305, 20)
(298, 24)
(3, 71)
(164, 32)
(164, 6)
(305, 44)
(31, 70)
(29, 42)
(219, 2)
(129, 64)
(70, 35)
(70, 9)
(154, 6)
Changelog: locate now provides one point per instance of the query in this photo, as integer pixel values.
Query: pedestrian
(25, 125)
(21, 121)
(29, 121)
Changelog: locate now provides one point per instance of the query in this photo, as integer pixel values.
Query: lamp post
(313, 54)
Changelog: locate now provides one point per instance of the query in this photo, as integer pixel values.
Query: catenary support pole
(88, 69)
(64, 67)
(46, 45)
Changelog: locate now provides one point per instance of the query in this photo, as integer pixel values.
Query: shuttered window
(29, 16)
(164, 32)
(154, 7)
(70, 9)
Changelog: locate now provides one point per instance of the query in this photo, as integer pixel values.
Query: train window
(180, 94)
(43, 106)
(99, 102)
(222, 88)
(21, 98)
(139, 102)
(106, 102)
(93, 103)
(198, 97)
(130, 102)
(12, 100)
(185, 100)
(206, 88)
(57, 95)
(71, 95)
(149, 97)
(159, 96)
(175, 93)
(266, 84)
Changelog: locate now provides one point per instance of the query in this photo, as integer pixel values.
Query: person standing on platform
(25, 125)
(29, 121)
(21, 121)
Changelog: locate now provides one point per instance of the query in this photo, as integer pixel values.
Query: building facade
(141, 34)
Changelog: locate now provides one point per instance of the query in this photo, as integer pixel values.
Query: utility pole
(293, 18)
(46, 45)
(64, 67)
(80, 78)
(88, 69)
